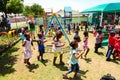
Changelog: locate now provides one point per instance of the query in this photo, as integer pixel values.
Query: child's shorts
(56, 54)
(41, 52)
(74, 68)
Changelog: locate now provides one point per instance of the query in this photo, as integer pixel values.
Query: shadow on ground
(32, 67)
(88, 60)
(7, 61)
(61, 67)
(45, 61)
(115, 61)
(100, 53)
(80, 74)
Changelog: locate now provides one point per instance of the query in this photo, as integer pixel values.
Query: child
(27, 48)
(99, 38)
(22, 34)
(69, 28)
(111, 43)
(41, 47)
(50, 33)
(94, 32)
(117, 45)
(77, 30)
(57, 44)
(31, 23)
(74, 56)
(42, 32)
(85, 44)
(116, 48)
(41, 28)
(77, 38)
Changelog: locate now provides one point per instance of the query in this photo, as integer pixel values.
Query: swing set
(60, 26)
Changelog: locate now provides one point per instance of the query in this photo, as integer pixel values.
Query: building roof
(74, 12)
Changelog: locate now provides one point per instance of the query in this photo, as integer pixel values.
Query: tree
(11, 6)
(3, 7)
(27, 11)
(35, 10)
(15, 6)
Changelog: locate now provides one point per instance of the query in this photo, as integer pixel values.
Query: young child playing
(85, 44)
(116, 52)
(22, 32)
(57, 47)
(99, 38)
(111, 43)
(77, 38)
(74, 56)
(117, 48)
(41, 47)
(94, 32)
(50, 33)
(27, 48)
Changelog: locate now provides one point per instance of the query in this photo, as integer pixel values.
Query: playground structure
(67, 15)
(47, 13)
(60, 26)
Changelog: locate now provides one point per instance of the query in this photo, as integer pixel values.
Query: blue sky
(79, 5)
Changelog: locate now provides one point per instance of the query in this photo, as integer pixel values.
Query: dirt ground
(91, 68)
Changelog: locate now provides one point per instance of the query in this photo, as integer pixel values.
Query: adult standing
(31, 23)
(8, 23)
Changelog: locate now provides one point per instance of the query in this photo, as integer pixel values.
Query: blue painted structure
(67, 14)
(49, 23)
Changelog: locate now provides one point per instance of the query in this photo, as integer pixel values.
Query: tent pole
(115, 17)
(101, 18)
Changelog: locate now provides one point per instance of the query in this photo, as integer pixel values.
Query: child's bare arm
(62, 44)
(32, 45)
(84, 39)
(77, 56)
(45, 41)
(24, 43)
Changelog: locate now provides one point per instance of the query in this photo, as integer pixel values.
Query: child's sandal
(65, 76)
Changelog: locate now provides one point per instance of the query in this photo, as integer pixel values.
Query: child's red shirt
(117, 45)
(111, 40)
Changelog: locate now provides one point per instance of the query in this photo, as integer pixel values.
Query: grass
(91, 68)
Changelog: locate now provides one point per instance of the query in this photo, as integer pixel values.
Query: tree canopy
(3, 4)
(35, 10)
(15, 6)
(11, 6)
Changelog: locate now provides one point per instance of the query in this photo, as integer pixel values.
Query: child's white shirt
(56, 49)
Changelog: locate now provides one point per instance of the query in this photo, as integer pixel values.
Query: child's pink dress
(85, 44)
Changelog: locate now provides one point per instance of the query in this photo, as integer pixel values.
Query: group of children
(27, 42)
(57, 45)
(75, 53)
(113, 45)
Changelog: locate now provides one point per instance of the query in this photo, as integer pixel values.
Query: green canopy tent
(110, 7)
